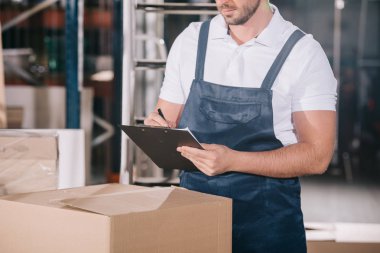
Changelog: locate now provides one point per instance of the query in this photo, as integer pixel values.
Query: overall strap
(202, 47)
(280, 59)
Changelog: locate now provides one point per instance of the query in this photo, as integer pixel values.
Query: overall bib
(267, 216)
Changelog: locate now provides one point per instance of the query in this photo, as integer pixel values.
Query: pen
(160, 113)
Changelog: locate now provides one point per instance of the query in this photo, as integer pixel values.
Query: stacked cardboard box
(28, 162)
(14, 116)
(116, 218)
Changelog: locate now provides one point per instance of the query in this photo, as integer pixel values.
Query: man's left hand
(213, 160)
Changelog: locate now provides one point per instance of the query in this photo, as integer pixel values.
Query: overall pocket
(229, 112)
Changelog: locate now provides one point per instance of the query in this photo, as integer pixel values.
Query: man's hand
(171, 111)
(213, 160)
(154, 119)
(311, 155)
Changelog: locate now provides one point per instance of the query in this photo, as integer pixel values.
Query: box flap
(184, 220)
(53, 198)
(140, 200)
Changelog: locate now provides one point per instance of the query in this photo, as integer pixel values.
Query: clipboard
(160, 144)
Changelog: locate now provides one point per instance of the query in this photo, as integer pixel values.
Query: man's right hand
(154, 119)
(171, 111)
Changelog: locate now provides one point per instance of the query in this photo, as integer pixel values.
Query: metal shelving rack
(130, 64)
(73, 49)
(74, 61)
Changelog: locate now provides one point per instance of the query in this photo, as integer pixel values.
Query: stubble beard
(246, 12)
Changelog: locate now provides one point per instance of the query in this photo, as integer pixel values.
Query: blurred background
(106, 58)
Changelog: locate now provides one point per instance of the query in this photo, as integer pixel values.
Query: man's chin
(229, 20)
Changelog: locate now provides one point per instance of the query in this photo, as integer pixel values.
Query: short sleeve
(317, 86)
(171, 89)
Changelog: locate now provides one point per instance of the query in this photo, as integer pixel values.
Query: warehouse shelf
(131, 64)
(179, 8)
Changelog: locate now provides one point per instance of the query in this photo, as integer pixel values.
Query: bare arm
(311, 155)
(171, 111)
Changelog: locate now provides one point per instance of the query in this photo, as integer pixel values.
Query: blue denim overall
(267, 216)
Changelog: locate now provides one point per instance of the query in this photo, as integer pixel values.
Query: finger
(193, 157)
(150, 122)
(155, 119)
(161, 121)
(196, 152)
(209, 146)
(198, 163)
(204, 168)
(203, 165)
(172, 124)
(200, 166)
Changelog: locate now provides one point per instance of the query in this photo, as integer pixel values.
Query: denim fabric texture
(267, 216)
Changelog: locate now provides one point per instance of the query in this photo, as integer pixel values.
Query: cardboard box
(45, 108)
(28, 162)
(14, 117)
(70, 169)
(343, 237)
(114, 219)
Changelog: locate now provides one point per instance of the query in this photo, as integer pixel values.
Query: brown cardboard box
(340, 247)
(28, 162)
(115, 218)
(343, 238)
(14, 117)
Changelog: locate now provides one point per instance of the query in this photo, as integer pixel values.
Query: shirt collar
(219, 28)
(268, 37)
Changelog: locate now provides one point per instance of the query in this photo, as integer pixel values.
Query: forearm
(311, 155)
(290, 161)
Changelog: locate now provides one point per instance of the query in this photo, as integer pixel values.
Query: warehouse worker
(260, 95)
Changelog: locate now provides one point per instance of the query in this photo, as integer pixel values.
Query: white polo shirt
(305, 82)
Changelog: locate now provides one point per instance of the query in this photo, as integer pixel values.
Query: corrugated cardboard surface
(335, 247)
(14, 117)
(116, 218)
(45, 108)
(32, 228)
(28, 163)
(343, 238)
(3, 120)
